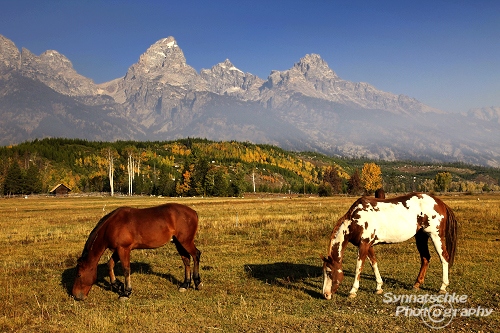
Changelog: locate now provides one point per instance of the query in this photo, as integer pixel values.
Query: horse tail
(451, 230)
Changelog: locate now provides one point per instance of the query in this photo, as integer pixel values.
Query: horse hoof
(182, 289)
(441, 291)
(379, 292)
(117, 287)
(123, 298)
(352, 295)
(199, 286)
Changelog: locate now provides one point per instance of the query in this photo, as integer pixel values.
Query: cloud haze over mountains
(161, 97)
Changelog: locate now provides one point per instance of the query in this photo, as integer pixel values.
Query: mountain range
(307, 107)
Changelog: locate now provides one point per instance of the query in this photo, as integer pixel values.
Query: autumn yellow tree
(185, 186)
(371, 177)
(442, 181)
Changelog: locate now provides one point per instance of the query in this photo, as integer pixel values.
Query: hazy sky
(444, 53)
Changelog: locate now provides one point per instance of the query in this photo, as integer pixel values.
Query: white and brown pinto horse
(372, 221)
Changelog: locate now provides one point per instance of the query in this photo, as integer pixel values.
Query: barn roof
(58, 186)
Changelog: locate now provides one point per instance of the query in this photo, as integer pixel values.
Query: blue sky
(444, 53)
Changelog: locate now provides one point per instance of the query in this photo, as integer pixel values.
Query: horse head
(86, 275)
(332, 276)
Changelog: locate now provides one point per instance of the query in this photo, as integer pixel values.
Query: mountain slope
(29, 109)
(307, 107)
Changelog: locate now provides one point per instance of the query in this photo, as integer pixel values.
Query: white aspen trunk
(111, 171)
(133, 168)
(253, 181)
(130, 172)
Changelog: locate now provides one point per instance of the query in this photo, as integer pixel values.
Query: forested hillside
(198, 167)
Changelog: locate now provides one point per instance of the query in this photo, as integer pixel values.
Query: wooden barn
(60, 190)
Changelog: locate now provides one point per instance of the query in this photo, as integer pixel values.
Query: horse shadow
(288, 275)
(69, 275)
(296, 276)
(389, 283)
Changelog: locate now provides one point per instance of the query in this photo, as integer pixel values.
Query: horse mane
(93, 235)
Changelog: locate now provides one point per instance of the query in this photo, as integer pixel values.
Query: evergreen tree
(33, 182)
(166, 182)
(199, 179)
(238, 184)
(14, 180)
(221, 183)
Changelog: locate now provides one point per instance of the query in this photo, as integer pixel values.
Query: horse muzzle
(79, 296)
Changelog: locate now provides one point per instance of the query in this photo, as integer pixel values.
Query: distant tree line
(199, 167)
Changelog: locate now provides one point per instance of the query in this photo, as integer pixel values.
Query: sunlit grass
(260, 266)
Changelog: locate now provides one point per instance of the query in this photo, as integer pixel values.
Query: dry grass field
(260, 266)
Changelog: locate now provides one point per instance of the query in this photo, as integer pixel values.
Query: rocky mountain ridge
(161, 97)
(487, 114)
(51, 68)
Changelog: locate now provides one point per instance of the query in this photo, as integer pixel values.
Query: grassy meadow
(260, 267)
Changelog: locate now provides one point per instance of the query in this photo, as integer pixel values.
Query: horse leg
(196, 270)
(439, 244)
(362, 253)
(124, 254)
(196, 254)
(421, 239)
(187, 273)
(186, 260)
(188, 250)
(116, 286)
(373, 263)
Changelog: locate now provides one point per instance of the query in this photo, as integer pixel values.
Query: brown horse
(372, 221)
(126, 229)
